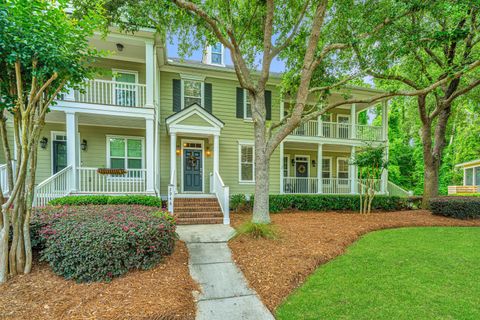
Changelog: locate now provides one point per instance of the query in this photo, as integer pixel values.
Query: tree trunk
(4, 235)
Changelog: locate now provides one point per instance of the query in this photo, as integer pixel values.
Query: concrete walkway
(225, 293)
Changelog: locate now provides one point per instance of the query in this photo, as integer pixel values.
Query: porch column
(319, 126)
(353, 173)
(319, 168)
(384, 182)
(149, 149)
(149, 71)
(173, 156)
(353, 116)
(72, 150)
(282, 165)
(385, 120)
(216, 157)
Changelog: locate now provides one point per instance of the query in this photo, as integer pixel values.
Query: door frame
(183, 141)
(308, 164)
(53, 133)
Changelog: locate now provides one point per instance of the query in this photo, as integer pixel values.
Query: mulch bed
(162, 293)
(307, 239)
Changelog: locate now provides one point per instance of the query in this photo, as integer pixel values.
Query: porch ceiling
(99, 120)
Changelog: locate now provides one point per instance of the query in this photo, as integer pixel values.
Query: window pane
(189, 101)
(217, 48)
(343, 165)
(326, 165)
(125, 77)
(134, 148)
(117, 147)
(247, 154)
(477, 174)
(247, 172)
(286, 165)
(248, 113)
(469, 177)
(217, 58)
(116, 163)
(134, 164)
(192, 88)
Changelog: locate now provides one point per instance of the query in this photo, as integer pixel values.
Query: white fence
(337, 130)
(110, 93)
(56, 186)
(91, 181)
(223, 195)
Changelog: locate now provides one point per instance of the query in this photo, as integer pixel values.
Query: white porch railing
(223, 195)
(171, 191)
(395, 190)
(56, 186)
(90, 181)
(308, 185)
(337, 186)
(335, 130)
(4, 178)
(362, 185)
(110, 93)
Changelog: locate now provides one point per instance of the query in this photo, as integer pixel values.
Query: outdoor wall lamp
(314, 163)
(208, 152)
(120, 47)
(84, 145)
(43, 143)
(178, 150)
(293, 162)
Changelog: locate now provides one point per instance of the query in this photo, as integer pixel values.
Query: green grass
(409, 273)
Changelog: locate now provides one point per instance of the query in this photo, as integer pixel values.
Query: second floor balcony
(107, 92)
(337, 130)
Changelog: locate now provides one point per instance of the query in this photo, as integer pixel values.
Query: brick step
(199, 220)
(198, 208)
(195, 200)
(210, 214)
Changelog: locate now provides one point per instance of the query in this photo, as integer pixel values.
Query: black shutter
(207, 96)
(268, 104)
(240, 103)
(177, 95)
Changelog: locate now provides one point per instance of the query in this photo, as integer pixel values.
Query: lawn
(408, 273)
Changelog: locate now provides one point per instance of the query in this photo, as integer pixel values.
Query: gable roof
(194, 109)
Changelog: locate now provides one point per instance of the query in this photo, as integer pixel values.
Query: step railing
(172, 187)
(91, 181)
(223, 195)
(336, 130)
(395, 190)
(110, 93)
(57, 186)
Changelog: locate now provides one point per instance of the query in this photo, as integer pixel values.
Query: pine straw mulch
(276, 267)
(162, 293)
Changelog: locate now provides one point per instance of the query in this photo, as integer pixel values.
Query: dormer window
(214, 55)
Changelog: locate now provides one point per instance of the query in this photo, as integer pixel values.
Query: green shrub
(456, 207)
(323, 202)
(238, 201)
(257, 230)
(150, 201)
(98, 243)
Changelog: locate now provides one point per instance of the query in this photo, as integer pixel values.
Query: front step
(197, 211)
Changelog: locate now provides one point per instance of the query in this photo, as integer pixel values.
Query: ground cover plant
(98, 243)
(395, 274)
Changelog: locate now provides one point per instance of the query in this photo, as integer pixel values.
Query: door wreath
(301, 168)
(192, 161)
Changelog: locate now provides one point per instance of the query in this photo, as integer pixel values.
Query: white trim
(182, 154)
(348, 170)
(330, 173)
(116, 136)
(173, 121)
(68, 106)
(114, 88)
(182, 91)
(245, 97)
(308, 164)
(52, 138)
(209, 56)
(240, 144)
(193, 77)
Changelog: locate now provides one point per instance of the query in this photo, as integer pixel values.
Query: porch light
(178, 150)
(293, 162)
(43, 143)
(208, 152)
(119, 47)
(84, 145)
(314, 163)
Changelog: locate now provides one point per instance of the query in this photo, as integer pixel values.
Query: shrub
(150, 201)
(456, 207)
(323, 202)
(97, 243)
(238, 201)
(257, 230)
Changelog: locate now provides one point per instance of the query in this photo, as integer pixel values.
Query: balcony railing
(310, 185)
(335, 130)
(90, 181)
(109, 93)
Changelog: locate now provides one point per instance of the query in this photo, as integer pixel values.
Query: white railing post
(319, 168)
(216, 156)
(173, 155)
(150, 161)
(72, 158)
(282, 166)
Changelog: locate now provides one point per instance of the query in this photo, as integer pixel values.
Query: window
(247, 107)
(247, 156)
(326, 168)
(469, 177)
(286, 166)
(217, 54)
(477, 176)
(125, 153)
(192, 92)
(342, 169)
(125, 88)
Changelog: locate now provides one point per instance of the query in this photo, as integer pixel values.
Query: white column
(282, 165)
(319, 167)
(319, 126)
(173, 155)
(72, 150)
(353, 172)
(384, 182)
(149, 156)
(385, 120)
(216, 157)
(353, 116)
(149, 71)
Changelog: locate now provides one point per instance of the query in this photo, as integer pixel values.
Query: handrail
(223, 195)
(395, 190)
(171, 192)
(56, 186)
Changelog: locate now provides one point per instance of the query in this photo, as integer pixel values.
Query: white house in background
(471, 178)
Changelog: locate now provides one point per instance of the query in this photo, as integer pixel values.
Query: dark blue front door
(192, 170)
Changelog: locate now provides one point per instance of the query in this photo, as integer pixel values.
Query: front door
(301, 172)
(59, 155)
(192, 170)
